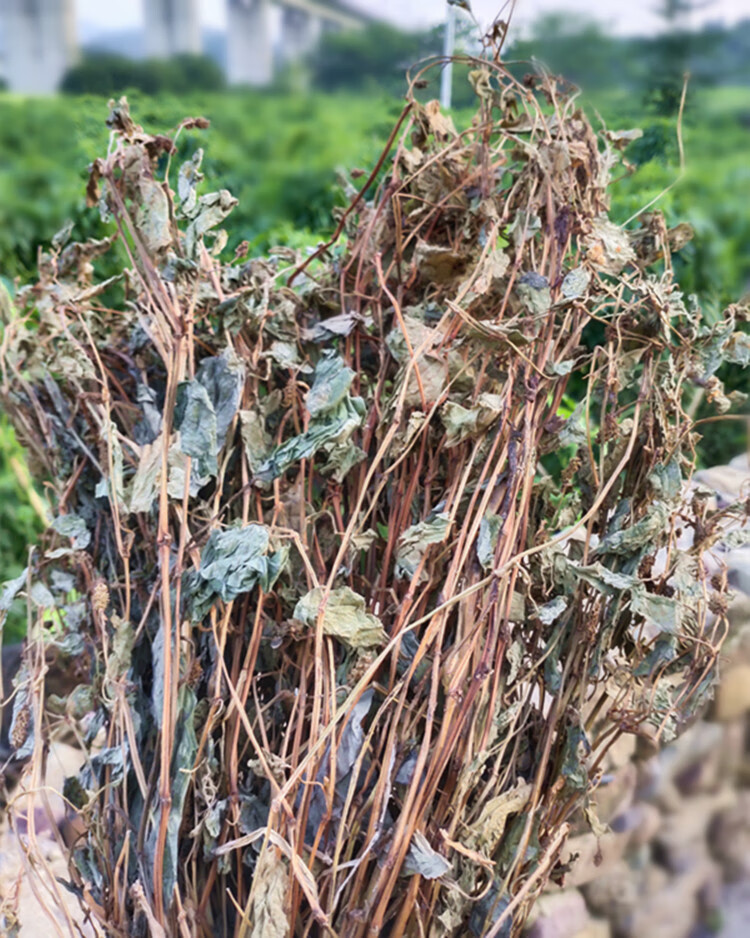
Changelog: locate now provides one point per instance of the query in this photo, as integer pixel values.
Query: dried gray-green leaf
(271, 896)
(210, 211)
(345, 617)
(145, 483)
(195, 419)
(187, 182)
(258, 444)
(223, 377)
(423, 860)
(463, 423)
(577, 748)
(41, 596)
(644, 533)
(333, 427)
(438, 264)
(330, 386)
(415, 540)
(575, 283)
(152, 216)
(489, 531)
(550, 612)
(573, 431)
(112, 484)
(560, 368)
(608, 246)
(237, 559)
(11, 588)
(534, 292)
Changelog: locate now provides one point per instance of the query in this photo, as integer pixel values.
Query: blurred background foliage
(282, 152)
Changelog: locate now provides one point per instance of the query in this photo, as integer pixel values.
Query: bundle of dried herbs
(357, 594)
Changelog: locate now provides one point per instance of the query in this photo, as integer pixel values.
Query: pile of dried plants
(356, 596)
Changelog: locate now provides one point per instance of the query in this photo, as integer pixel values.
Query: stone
(671, 912)
(728, 482)
(596, 928)
(740, 462)
(733, 693)
(559, 915)
(641, 820)
(655, 879)
(704, 775)
(688, 762)
(733, 750)
(682, 838)
(738, 569)
(681, 857)
(738, 612)
(729, 838)
(616, 794)
(614, 894)
(594, 856)
(620, 753)
(710, 892)
(735, 910)
(64, 915)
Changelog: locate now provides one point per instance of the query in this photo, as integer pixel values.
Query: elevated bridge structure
(40, 42)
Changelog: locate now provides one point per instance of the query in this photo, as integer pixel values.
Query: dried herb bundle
(357, 597)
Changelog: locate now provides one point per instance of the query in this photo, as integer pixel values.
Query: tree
(671, 55)
(576, 46)
(377, 55)
(108, 73)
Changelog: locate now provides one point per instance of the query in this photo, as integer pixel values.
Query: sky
(621, 16)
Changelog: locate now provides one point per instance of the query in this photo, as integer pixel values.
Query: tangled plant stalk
(363, 559)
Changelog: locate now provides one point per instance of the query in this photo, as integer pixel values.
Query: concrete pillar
(300, 33)
(172, 27)
(249, 42)
(40, 43)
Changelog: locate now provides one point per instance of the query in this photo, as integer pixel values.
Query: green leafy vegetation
(106, 72)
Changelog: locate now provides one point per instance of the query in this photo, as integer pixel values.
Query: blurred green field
(280, 153)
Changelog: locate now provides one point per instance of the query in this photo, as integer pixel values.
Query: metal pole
(449, 41)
